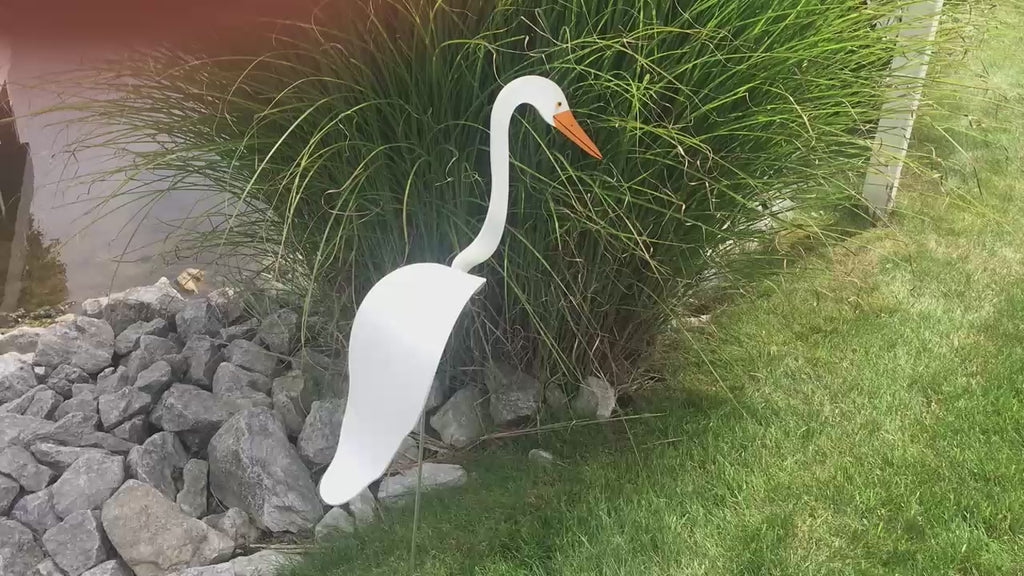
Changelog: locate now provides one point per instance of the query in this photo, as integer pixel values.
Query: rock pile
(155, 435)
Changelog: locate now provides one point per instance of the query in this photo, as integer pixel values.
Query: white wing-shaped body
(398, 336)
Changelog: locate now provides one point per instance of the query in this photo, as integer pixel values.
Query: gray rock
(228, 304)
(128, 340)
(153, 536)
(198, 317)
(363, 508)
(324, 375)
(515, 396)
(80, 405)
(185, 408)
(319, 437)
(158, 462)
(64, 377)
(236, 524)
(203, 356)
(542, 457)
(18, 430)
(192, 498)
(20, 404)
(279, 331)
(229, 378)
(78, 543)
(151, 350)
(249, 356)
(595, 399)
(334, 524)
(292, 400)
(123, 405)
(435, 476)
(41, 372)
(265, 563)
(87, 483)
(9, 489)
(44, 404)
(36, 511)
(16, 377)
(408, 454)
(111, 380)
(22, 340)
(18, 463)
(135, 430)
(155, 379)
(142, 304)
(556, 399)
(106, 442)
(179, 366)
(84, 342)
(85, 391)
(109, 568)
(70, 430)
(19, 552)
(464, 418)
(244, 331)
(59, 458)
(47, 568)
(93, 307)
(253, 467)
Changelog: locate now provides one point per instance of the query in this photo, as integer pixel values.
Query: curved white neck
(486, 242)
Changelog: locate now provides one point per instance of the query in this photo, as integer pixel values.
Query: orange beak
(567, 124)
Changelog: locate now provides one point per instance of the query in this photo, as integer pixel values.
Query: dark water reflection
(51, 249)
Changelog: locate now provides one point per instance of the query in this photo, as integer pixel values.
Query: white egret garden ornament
(402, 325)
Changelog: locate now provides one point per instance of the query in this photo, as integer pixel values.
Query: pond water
(52, 247)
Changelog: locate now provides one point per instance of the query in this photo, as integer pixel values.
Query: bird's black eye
(558, 104)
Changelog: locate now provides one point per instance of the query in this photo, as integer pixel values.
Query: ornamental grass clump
(356, 143)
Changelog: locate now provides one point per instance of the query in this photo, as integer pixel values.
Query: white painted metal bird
(402, 325)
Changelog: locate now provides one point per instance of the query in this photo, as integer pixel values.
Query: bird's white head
(550, 102)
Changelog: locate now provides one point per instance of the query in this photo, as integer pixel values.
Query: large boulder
(293, 398)
(154, 537)
(16, 377)
(83, 342)
(18, 430)
(203, 356)
(18, 463)
(192, 411)
(252, 357)
(255, 468)
(319, 437)
(435, 476)
(464, 418)
(47, 568)
(142, 304)
(135, 430)
(363, 508)
(109, 381)
(80, 405)
(87, 483)
(20, 404)
(78, 543)
(128, 340)
(44, 404)
(244, 331)
(335, 523)
(158, 462)
(229, 378)
(155, 379)
(19, 552)
(515, 396)
(279, 330)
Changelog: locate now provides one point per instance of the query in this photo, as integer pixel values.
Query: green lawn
(861, 414)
